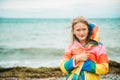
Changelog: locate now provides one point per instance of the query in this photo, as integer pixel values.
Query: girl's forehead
(80, 25)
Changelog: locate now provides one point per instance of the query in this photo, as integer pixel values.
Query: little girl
(85, 58)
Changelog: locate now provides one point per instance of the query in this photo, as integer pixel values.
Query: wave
(113, 50)
(47, 51)
(38, 57)
(44, 51)
(32, 57)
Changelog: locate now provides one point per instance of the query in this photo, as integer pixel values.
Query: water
(41, 42)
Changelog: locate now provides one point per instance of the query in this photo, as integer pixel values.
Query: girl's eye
(84, 29)
(78, 30)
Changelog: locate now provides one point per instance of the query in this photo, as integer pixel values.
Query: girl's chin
(83, 39)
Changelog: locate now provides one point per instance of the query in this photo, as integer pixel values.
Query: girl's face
(81, 31)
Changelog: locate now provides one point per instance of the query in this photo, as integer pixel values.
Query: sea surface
(35, 42)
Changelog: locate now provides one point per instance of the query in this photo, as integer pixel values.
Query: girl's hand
(81, 57)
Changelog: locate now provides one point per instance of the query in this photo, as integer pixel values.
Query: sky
(59, 8)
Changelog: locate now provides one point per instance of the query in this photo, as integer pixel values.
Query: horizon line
(55, 17)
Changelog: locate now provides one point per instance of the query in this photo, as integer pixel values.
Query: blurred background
(35, 33)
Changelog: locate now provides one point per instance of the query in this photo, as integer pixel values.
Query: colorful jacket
(96, 65)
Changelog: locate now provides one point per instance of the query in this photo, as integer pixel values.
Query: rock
(114, 67)
(44, 72)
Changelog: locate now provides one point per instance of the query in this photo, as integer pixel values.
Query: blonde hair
(76, 20)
